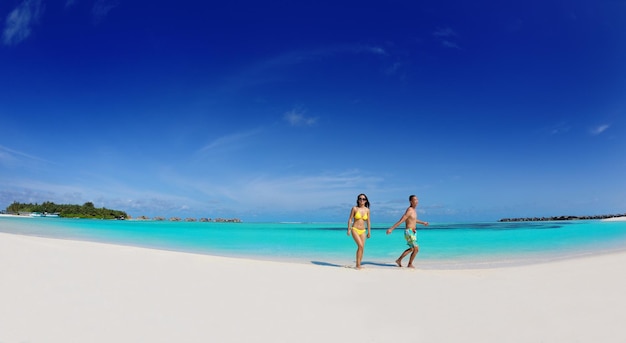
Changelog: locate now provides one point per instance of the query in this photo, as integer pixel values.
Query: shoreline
(63, 290)
(469, 263)
(603, 218)
(430, 258)
(615, 219)
(14, 215)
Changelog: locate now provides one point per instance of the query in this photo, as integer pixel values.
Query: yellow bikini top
(359, 216)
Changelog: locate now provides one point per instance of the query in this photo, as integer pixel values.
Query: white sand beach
(615, 219)
(13, 216)
(69, 291)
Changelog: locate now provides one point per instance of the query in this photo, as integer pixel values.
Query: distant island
(537, 219)
(50, 209)
(88, 210)
(204, 220)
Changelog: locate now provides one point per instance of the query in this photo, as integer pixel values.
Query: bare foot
(410, 266)
(399, 262)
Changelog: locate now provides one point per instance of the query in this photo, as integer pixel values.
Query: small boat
(45, 214)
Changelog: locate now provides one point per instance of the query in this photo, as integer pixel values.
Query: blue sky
(286, 110)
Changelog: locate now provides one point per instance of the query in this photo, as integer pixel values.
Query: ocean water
(442, 246)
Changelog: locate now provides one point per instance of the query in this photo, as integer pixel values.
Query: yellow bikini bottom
(358, 231)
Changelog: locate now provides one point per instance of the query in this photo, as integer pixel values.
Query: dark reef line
(537, 219)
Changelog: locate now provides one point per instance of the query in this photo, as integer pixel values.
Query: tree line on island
(204, 220)
(88, 210)
(538, 219)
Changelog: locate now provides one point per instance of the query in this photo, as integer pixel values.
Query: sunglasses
(362, 199)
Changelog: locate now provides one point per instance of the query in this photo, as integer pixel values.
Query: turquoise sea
(442, 246)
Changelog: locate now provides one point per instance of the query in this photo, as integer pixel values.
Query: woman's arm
(350, 221)
(369, 224)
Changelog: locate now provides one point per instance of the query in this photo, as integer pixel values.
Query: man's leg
(414, 252)
(404, 253)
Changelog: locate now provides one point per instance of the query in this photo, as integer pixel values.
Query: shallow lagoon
(455, 245)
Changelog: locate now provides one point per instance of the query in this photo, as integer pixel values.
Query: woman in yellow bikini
(359, 219)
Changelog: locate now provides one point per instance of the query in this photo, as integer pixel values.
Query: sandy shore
(68, 291)
(14, 216)
(615, 219)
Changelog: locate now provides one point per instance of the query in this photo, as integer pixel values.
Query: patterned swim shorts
(411, 238)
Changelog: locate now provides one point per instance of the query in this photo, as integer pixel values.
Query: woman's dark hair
(367, 201)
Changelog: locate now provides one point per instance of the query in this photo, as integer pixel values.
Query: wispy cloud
(20, 21)
(599, 129)
(376, 50)
(229, 142)
(300, 56)
(270, 193)
(286, 192)
(393, 69)
(449, 44)
(444, 32)
(297, 117)
(446, 37)
(101, 9)
(275, 68)
(558, 129)
(10, 156)
(112, 195)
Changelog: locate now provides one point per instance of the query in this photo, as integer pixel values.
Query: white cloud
(20, 21)
(115, 196)
(444, 32)
(229, 141)
(296, 117)
(557, 129)
(275, 68)
(445, 36)
(599, 129)
(449, 44)
(393, 69)
(269, 190)
(294, 191)
(373, 49)
(303, 56)
(8, 155)
(101, 9)
(5, 156)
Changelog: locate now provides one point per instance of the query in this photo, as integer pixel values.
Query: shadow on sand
(378, 264)
(327, 264)
(364, 263)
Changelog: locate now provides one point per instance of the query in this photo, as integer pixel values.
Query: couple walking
(359, 222)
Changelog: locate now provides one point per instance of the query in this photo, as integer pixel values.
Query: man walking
(410, 233)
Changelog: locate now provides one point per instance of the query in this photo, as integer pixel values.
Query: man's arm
(403, 219)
